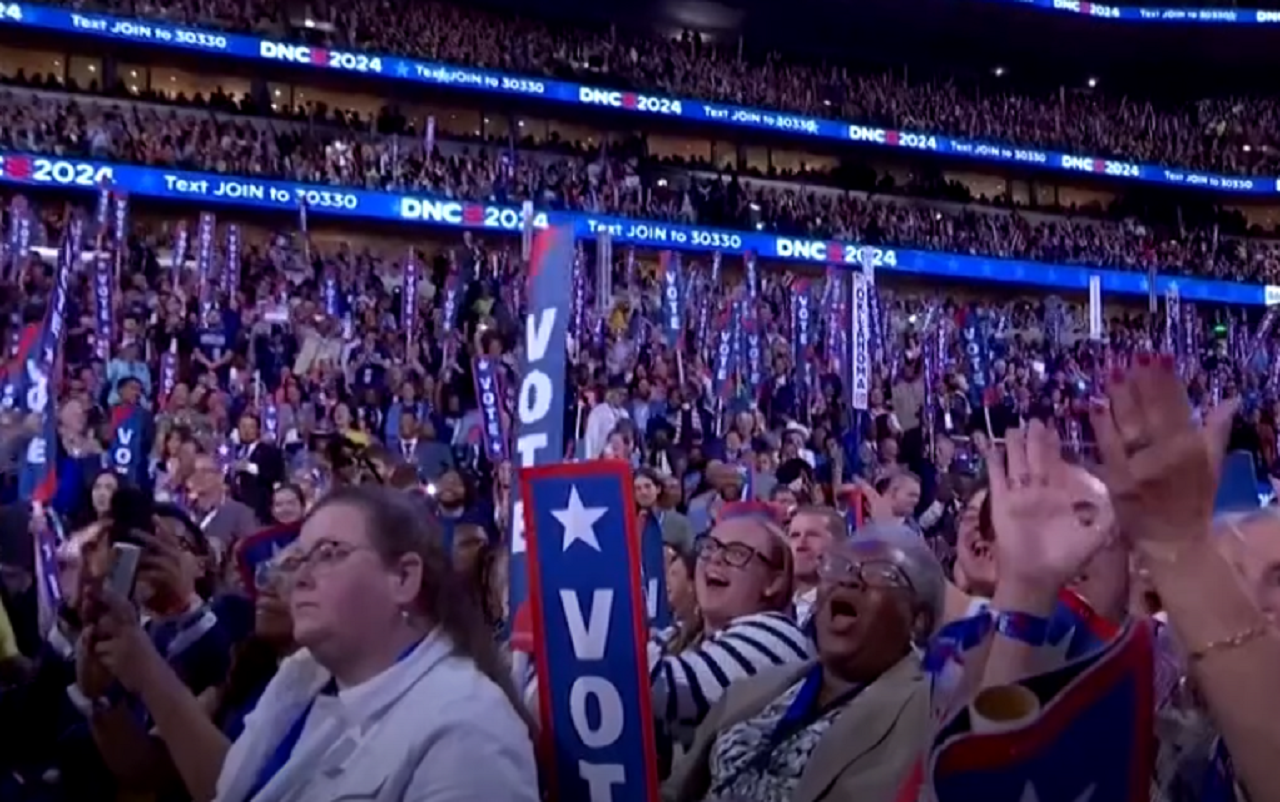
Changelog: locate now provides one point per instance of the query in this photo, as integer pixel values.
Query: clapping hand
(1041, 538)
(1160, 467)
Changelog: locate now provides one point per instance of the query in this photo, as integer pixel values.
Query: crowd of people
(220, 134)
(1231, 135)
(257, 489)
(289, 397)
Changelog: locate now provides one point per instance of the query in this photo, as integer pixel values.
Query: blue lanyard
(279, 757)
(1219, 783)
(283, 751)
(804, 710)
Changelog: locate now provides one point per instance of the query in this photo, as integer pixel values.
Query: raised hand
(1043, 510)
(1160, 467)
(879, 509)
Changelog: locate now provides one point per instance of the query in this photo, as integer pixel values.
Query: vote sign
(975, 352)
(589, 623)
(1093, 737)
(38, 477)
(672, 303)
(485, 372)
(126, 454)
(542, 395)
(861, 344)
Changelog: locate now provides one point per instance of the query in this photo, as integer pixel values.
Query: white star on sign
(578, 521)
(1029, 794)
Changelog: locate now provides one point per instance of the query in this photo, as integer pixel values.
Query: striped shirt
(686, 685)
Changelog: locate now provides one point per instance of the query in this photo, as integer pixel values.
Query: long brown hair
(399, 524)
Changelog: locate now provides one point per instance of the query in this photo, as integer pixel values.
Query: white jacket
(601, 422)
(432, 728)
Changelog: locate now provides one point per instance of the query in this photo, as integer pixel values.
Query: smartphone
(124, 568)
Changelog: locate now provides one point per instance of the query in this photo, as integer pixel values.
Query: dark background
(1040, 49)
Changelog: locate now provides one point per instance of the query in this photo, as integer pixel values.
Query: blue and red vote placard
(488, 387)
(1093, 738)
(128, 455)
(541, 400)
(36, 386)
(588, 616)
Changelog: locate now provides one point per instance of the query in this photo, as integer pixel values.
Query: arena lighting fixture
(999, 72)
(1093, 83)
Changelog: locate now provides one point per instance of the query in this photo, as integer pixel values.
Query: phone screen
(124, 568)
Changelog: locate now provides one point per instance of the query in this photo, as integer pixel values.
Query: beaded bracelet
(1230, 642)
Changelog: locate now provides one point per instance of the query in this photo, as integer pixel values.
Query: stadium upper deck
(491, 213)
(1225, 144)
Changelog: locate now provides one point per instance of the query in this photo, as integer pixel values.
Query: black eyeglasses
(734, 555)
(871, 573)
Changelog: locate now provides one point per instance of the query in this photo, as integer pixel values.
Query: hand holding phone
(120, 578)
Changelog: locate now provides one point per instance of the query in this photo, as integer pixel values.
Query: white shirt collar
(375, 693)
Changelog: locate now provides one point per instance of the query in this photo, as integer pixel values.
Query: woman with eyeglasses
(852, 723)
(399, 688)
(743, 587)
(399, 692)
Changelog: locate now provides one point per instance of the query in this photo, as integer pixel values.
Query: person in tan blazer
(851, 725)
